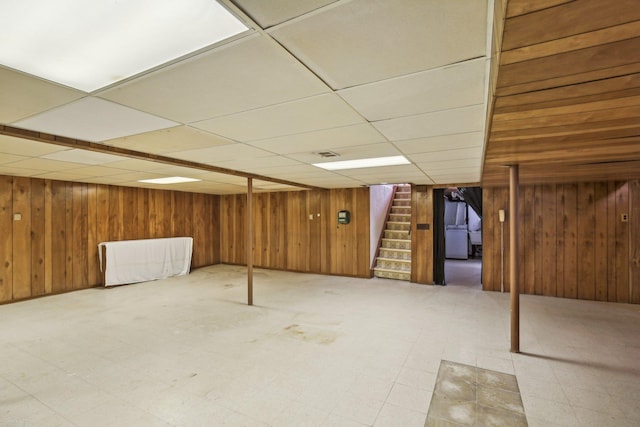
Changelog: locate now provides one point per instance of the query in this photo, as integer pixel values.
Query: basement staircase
(394, 256)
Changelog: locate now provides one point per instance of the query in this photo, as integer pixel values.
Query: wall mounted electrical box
(344, 217)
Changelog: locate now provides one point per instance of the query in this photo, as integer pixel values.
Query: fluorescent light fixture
(169, 180)
(364, 163)
(88, 45)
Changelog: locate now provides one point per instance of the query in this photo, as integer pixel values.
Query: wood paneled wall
(52, 248)
(422, 239)
(573, 242)
(299, 231)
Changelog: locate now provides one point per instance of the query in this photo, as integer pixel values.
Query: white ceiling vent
(326, 154)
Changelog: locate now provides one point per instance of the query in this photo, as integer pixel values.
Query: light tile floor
(313, 351)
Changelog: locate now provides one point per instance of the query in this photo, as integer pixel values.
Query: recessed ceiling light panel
(88, 45)
(364, 163)
(169, 180)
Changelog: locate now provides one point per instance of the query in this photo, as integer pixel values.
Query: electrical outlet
(625, 217)
(311, 217)
(17, 217)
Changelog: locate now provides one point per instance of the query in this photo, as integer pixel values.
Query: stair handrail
(386, 218)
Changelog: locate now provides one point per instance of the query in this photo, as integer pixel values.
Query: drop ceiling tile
(84, 157)
(292, 171)
(459, 120)
(25, 147)
(464, 180)
(442, 142)
(137, 165)
(399, 178)
(457, 178)
(454, 86)
(433, 166)
(24, 96)
(97, 171)
(303, 115)
(131, 176)
(94, 119)
(251, 164)
(169, 170)
(322, 140)
(447, 155)
(216, 177)
(456, 171)
(219, 82)
(274, 186)
(9, 158)
(343, 182)
(350, 153)
(383, 171)
(216, 155)
(275, 12)
(168, 140)
(362, 41)
(44, 164)
(10, 170)
(65, 175)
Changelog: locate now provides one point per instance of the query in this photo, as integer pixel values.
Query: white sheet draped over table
(132, 261)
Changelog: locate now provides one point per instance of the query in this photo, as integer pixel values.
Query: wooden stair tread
(404, 261)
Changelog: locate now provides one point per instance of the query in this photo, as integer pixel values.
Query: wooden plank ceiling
(567, 102)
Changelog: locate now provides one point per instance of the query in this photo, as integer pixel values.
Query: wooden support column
(250, 241)
(514, 227)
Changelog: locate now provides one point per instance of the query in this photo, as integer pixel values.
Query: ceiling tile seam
(401, 76)
(264, 107)
(313, 11)
(373, 122)
(308, 14)
(287, 135)
(436, 136)
(366, 122)
(408, 75)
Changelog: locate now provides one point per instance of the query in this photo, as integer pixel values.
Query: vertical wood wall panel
(79, 250)
(570, 230)
(92, 234)
(38, 238)
(48, 237)
(634, 270)
(53, 247)
(548, 246)
(586, 233)
(286, 238)
(600, 242)
(560, 240)
(22, 238)
(527, 227)
(58, 236)
(575, 242)
(68, 241)
(6, 242)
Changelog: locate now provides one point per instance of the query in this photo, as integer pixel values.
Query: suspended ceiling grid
(361, 78)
